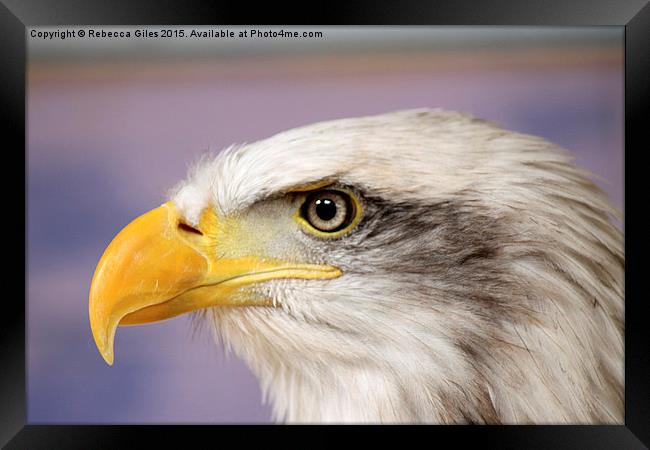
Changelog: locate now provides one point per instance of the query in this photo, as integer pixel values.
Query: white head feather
(487, 287)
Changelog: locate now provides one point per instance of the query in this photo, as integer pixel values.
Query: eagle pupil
(325, 209)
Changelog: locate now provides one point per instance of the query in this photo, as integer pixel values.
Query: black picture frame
(633, 15)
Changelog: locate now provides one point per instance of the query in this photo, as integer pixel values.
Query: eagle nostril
(185, 227)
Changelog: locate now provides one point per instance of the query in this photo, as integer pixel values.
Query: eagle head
(416, 266)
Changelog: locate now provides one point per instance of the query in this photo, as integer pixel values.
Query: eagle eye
(328, 212)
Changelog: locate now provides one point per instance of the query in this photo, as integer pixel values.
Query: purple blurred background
(112, 124)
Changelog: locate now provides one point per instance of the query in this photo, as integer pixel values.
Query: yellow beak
(157, 268)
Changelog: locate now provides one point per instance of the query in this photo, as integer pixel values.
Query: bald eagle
(415, 266)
